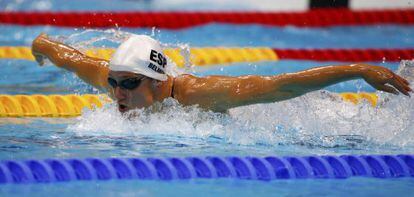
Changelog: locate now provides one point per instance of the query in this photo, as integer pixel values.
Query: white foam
(318, 119)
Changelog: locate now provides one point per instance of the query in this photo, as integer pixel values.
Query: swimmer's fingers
(400, 85)
(40, 59)
(387, 88)
(405, 83)
(37, 44)
(407, 87)
(403, 80)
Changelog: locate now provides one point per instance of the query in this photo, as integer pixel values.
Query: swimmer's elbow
(290, 85)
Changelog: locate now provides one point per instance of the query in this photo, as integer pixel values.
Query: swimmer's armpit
(91, 70)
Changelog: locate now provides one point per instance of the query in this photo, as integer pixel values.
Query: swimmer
(136, 77)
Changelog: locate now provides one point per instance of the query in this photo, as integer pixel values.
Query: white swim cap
(142, 55)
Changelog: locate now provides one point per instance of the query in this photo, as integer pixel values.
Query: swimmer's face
(131, 90)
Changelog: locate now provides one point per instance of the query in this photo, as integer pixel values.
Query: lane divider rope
(49, 105)
(210, 167)
(226, 55)
(346, 55)
(199, 56)
(175, 20)
(71, 105)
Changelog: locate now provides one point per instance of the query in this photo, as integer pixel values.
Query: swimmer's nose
(119, 93)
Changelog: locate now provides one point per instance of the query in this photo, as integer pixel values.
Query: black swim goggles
(128, 84)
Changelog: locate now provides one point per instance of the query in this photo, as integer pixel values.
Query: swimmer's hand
(40, 59)
(385, 80)
(37, 48)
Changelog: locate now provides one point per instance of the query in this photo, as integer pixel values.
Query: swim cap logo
(159, 60)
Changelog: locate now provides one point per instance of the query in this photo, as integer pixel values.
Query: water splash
(184, 50)
(89, 38)
(316, 119)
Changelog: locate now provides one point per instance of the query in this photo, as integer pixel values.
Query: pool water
(318, 187)
(317, 123)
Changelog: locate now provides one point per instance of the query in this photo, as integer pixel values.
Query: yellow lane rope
(71, 105)
(48, 105)
(198, 56)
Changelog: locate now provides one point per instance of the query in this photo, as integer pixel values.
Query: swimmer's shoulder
(192, 90)
(182, 87)
(184, 79)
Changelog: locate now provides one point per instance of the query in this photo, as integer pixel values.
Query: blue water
(317, 123)
(318, 187)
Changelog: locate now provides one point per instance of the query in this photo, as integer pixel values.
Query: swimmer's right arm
(91, 70)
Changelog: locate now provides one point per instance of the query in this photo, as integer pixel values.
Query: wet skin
(142, 94)
(217, 93)
(145, 94)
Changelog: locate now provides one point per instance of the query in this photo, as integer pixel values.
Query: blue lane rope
(255, 168)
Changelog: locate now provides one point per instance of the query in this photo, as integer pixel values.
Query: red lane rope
(218, 55)
(173, 20)
(347, 55)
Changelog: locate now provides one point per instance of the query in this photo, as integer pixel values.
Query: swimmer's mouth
(122, 108)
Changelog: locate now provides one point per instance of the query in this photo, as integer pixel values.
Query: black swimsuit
(172, 91)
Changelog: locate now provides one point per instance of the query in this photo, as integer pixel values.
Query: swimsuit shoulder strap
(172, 88)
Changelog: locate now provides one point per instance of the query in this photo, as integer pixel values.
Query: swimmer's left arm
(220, 93)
